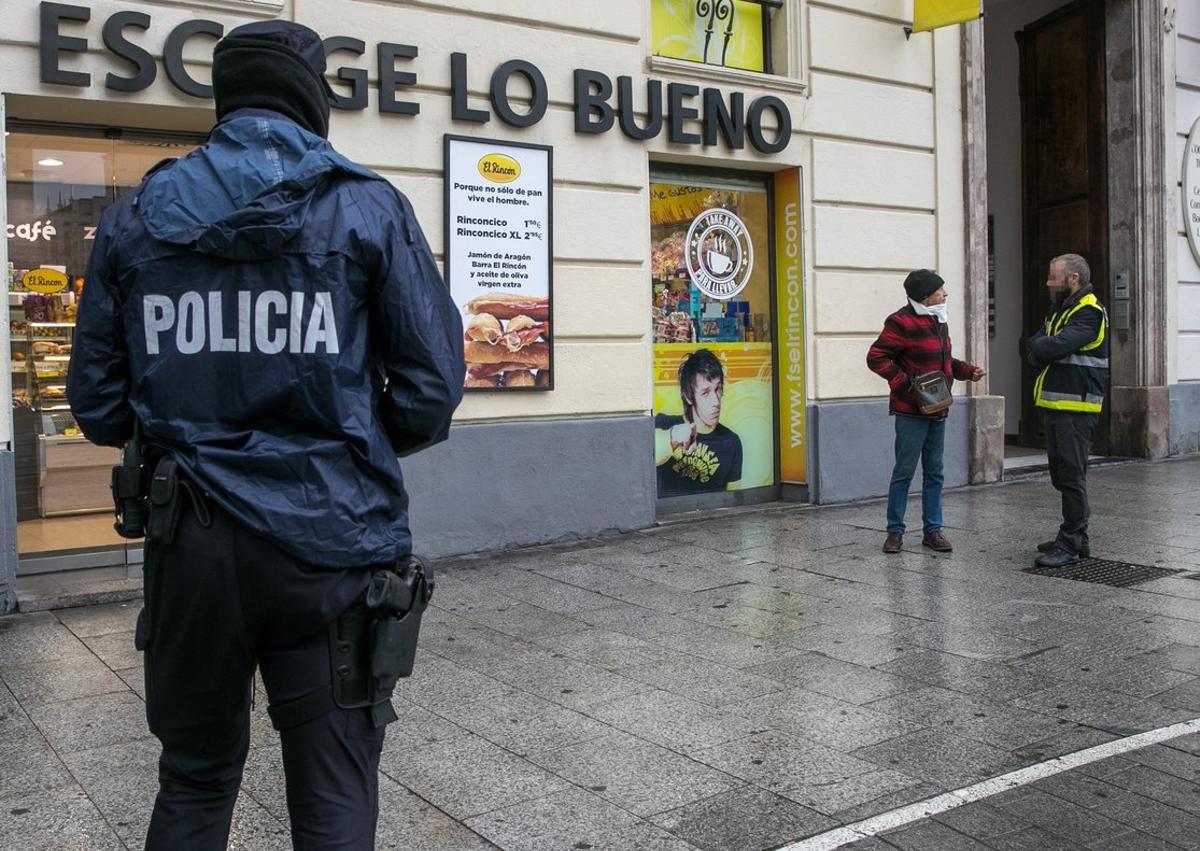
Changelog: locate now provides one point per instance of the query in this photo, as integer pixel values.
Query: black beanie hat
(922, 283)
(275, 65)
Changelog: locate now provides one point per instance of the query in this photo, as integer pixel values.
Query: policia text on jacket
(599, 105)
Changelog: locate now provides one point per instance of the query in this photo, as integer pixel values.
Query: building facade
(750, 179)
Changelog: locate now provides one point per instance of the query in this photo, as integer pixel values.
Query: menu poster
(499, 250)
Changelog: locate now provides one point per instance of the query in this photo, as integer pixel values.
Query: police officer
(270, 316)
(1071, 350)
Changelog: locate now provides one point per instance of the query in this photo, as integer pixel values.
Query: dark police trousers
(1068, 444)
(219, 602)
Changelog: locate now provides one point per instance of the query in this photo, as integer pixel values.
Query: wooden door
(1064, 165)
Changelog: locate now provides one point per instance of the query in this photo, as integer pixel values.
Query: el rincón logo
(499, 168)
(44, 281)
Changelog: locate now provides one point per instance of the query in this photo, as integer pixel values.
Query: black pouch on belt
(165, 502)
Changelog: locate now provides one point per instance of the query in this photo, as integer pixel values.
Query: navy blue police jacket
(272, 315)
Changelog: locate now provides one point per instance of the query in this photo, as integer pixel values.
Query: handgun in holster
(374, 645)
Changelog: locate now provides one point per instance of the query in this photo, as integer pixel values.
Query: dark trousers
(1068, 443)
(219, 602)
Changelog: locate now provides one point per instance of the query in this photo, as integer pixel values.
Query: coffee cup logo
(720, 254)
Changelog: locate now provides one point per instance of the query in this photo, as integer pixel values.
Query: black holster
(374, 644)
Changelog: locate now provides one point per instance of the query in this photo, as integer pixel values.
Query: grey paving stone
(254, 829)
(29, 639)
(438, 682)
(1063, 818)
(1105, 768)
(48, 682)
(1135, 811)
(134, 679)
(89, 621)
(91, 722)
(1185, 696)
(55, 820)
(835, 797)
(121, 781)
(635, 775)
(30, 764)
(703, 681)
(1002, 726)
(847, 643)
(1134, 840)
(762, 594)
(747, 819)
(1188, 744)
(780, 762)
(1117, 713)
(726, 647)
(407, 823)
(673, 722)
(993, 681)
(547, 593)
(893, 798)
(940, 757)
(980, 820)
(637, 621)
(833, 677)
(606, 649)
(525, 723)
(572, 818)
(840, 725)
(931, 836)
(115, 649)
(521, 620)
(747, 620)
(1038, 839)
(468, 776)
(1177, 657)
(563, 681)
(966, 640)
(1068, 739)
(1159, 786)
(1166, 759)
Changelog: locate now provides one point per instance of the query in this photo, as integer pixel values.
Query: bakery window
(711, 311)
(60, 180)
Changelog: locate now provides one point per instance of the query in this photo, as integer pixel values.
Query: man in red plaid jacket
(916, 340)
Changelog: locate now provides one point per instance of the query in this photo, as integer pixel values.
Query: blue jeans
(917, 439)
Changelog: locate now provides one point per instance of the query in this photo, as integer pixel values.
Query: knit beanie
(275, 65)
(922, 283)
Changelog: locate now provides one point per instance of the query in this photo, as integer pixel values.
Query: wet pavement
(741, 681)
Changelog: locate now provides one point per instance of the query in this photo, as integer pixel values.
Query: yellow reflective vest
(1078, 381)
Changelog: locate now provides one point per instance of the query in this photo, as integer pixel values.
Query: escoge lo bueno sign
(722, 117)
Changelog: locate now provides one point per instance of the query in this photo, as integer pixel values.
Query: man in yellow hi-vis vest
(1071, 350)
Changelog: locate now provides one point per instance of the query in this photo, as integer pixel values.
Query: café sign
(1191, 190)
(600, 103)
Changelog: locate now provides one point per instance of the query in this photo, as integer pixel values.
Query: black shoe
(1050, 546)
(1057, 558)
(895, 540)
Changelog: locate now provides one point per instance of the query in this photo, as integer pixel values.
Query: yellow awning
(931, 14)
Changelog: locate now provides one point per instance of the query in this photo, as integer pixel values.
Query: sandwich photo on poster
(499, 225)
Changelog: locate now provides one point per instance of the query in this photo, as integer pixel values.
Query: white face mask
(941, 311)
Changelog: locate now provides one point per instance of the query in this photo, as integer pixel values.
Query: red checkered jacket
(910, 345)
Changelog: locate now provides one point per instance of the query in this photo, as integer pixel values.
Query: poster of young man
(498, 250)
(712, 418)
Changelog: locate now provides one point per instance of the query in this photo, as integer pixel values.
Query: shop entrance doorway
(1047, 151)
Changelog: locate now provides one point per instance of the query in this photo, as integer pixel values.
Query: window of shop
(59, 183)
(727, 33)
(714, 396)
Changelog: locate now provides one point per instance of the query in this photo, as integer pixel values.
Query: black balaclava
(275, 65)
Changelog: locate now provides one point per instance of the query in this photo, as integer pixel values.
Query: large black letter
(654, 111)
(676, 92)
(587, 103)
(51, 44)
(537, 104)
(142, 61)
(356, 77)
(389, 78)
(733, 127)
(173, 55)
(459, 110)
(754, 120)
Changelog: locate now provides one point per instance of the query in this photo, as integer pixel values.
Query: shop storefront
(672, 230)
(60, 180)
